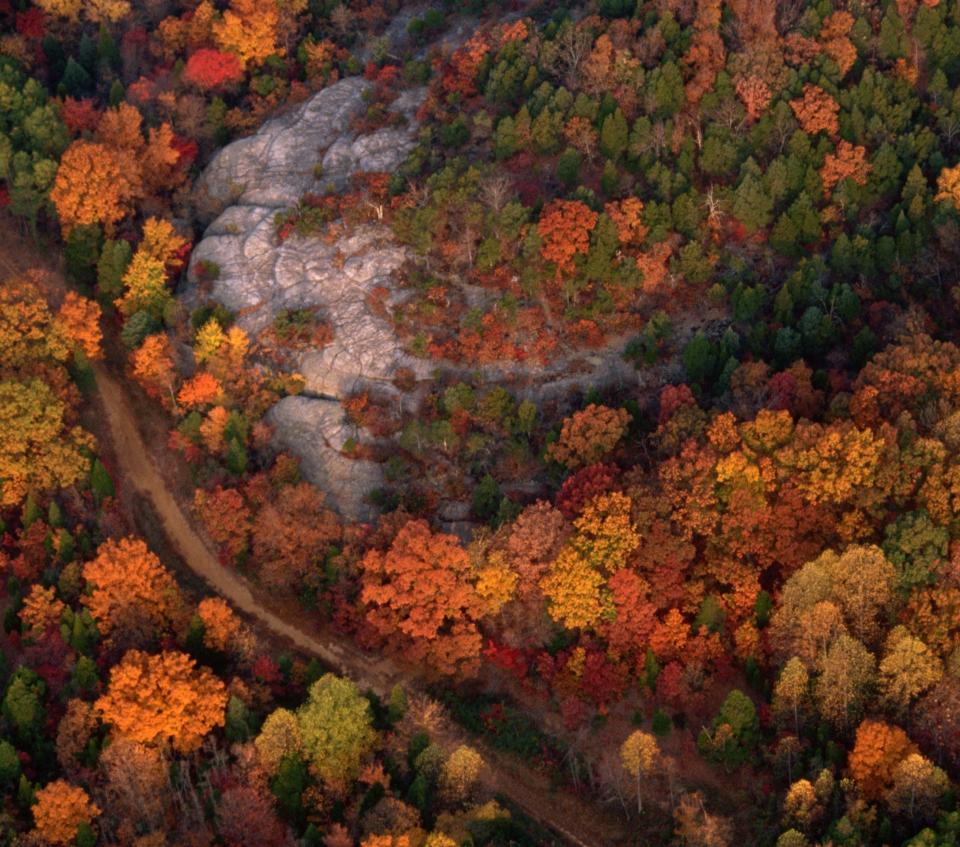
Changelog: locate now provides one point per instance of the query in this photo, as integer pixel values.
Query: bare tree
(495, 192)
(572, 48)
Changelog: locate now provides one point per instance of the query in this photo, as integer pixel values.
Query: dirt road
(573, 820)
(139, 470)
(566, 815)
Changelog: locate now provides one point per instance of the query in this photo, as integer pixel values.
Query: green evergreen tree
(76, 81)
(505, 139)
(568, 167)
(111, 266)
(9, 765)
(82, 252)
(101, 482)
(22, 706)
(107, 51)
(85, 676)
(613, 135)
(751, 204)
(117, 93)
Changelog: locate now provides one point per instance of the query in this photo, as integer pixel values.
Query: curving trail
(139, 470)
(571, 819)
(568, 816)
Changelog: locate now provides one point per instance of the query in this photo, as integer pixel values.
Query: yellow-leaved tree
(39, 450)
(249, 29)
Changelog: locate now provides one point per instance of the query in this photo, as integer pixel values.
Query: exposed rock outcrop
(244, 187)
(315, 430)
(277, 165)
(246, 184)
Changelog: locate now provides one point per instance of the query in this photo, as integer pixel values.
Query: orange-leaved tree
(221, 626)
(421, 589)
(152, 364)
(92, 186)
(41, 609)
(79, 318)
(165, 698)
(130, 591)
(849, 162)
(948, 185)
(60, 809)
(816, 111)
(588, 435)
(565, 227)
(292, 535)
(877, 750)
(204, 389)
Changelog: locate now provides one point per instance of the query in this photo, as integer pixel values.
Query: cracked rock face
(247, 183)
(315, 431)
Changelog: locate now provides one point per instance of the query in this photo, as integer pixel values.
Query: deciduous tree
(588, 435)
(92, 186)
(791, 691)
(59, 810)
(132, 596)
(849, 162)
(39, 450)
(152, 365)
(279, 738)
(211, 69)
(564, 228)
(847, 673)
(574, 591)
(877, 750)
(79, 318)
(907, 669)
(639, 755)
(292, 535)
(164, 698)
(204, 389)
(41, 610)
(226, 517)
(336, 726)
(459, 773)
(249, 30)
(221, 626)
(916, 788)
(948, 186)
(816, 111)
(421, 588)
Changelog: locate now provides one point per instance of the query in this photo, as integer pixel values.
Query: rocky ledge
(348, 281)
(245, 186)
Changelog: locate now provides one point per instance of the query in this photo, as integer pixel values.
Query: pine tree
(101, 482)
(613, 135)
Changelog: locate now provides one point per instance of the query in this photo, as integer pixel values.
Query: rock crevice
(245, 186)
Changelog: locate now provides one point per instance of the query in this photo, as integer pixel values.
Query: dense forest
(716, 602)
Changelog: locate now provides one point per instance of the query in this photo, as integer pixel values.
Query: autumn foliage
(93, 186)
(420, 588)
(129, 589)
(208, 68)
(565, 227)
(59, 810)
(163, 698)
(588, 435)
(816, 111)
